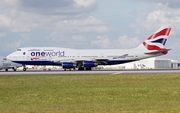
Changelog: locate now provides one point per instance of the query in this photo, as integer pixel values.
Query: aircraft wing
(79, 60)
(97, 59)
(123, 56)
(105, 59)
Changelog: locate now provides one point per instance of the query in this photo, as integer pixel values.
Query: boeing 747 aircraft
(86, 59)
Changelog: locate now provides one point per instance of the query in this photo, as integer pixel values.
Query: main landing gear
(83, 68)
(79, 69)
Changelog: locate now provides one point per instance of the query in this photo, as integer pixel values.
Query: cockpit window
(18, 49)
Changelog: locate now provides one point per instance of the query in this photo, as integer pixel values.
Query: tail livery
(158, 40)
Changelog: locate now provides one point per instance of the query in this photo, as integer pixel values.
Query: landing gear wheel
(24, 69)
(81, 69)
(89, 68)
(6, 69)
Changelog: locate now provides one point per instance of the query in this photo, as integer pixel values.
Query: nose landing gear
(24, 68)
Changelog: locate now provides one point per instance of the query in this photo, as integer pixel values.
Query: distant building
(151, 63)
(175, 64)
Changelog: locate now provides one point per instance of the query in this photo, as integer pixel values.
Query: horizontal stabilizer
(159, 51)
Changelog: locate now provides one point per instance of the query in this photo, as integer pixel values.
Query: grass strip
(90, 93)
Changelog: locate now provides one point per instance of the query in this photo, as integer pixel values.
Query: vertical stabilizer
(156, 42)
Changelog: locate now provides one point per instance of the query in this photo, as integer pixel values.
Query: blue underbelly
(112, 62)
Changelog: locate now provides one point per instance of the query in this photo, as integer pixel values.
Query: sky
(86, 24)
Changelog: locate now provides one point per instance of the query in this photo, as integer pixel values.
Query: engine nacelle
(67, 65)
(89, 64)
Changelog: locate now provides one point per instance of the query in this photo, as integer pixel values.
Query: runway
(113, 72)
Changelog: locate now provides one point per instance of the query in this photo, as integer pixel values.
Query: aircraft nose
(7, 57)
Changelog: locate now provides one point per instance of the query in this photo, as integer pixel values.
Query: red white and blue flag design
(157, 40)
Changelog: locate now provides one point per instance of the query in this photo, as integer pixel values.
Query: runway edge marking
(117, 73)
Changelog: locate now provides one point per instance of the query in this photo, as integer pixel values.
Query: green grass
(142, 93)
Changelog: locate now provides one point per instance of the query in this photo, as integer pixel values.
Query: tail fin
(156, 42)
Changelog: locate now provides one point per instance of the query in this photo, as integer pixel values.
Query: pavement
(113, 72)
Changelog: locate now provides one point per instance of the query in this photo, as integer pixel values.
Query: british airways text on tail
(85, 59)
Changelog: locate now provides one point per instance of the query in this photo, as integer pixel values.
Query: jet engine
(89, 64)
(68, 65)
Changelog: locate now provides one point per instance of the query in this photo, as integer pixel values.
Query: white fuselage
(56, 56)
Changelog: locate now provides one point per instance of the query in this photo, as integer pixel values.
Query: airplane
(86, 59)
(5, 64)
